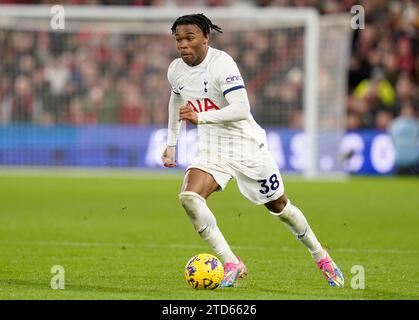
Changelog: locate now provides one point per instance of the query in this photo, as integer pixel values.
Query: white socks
(205, 224)
(294, 219)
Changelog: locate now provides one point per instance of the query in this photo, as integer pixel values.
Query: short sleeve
(229, 76)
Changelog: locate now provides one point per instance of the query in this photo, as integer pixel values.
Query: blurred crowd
(85, 78)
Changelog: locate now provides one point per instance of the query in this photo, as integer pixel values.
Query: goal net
(95, 93)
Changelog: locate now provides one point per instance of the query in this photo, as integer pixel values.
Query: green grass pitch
(125, 236)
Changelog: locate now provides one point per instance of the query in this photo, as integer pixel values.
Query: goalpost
(293, 60)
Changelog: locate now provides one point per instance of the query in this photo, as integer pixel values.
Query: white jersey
(205, 87)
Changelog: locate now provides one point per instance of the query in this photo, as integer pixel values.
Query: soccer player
(208, 90)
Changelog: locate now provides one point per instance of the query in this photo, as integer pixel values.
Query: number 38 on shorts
(266, 187)
(269, 185)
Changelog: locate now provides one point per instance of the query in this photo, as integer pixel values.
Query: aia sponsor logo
(203, 105)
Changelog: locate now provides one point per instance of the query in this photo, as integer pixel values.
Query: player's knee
(199, 214)
(191, 201)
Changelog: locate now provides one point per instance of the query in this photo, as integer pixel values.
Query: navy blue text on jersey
(231, 78)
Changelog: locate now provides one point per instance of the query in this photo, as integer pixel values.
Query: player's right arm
(173, 127)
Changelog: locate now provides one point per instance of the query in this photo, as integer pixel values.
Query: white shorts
(260, 184)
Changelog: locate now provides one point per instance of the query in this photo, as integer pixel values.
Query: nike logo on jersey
(180, 88)
(270, 195)
(203, 106)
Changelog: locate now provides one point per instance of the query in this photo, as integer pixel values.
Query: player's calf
(205, 224)
(295, 220)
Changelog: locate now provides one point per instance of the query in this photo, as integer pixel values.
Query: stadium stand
(99, 82)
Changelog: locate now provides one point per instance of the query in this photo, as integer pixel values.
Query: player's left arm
(232, 86)
(237, 109)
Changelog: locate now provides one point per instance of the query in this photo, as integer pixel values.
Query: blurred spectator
(19, 105)
(405, 134)
(376, 95)
(56, 75)
(358, 71)
(405, 90)
(130, 109)
(383, 119)
(353, 121)
(76, 114)
(377, 90)
(406, 57)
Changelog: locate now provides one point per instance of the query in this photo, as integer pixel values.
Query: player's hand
(186, 112)
(169, 157)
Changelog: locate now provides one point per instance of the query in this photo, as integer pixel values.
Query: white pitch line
(192, 246)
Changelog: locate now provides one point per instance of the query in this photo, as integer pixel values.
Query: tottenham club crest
(205, 86)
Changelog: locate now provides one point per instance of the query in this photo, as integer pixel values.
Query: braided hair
(199, 20)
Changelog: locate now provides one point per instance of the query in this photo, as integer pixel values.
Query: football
(204, 271)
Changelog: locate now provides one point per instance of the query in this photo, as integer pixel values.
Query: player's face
(191, 44)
